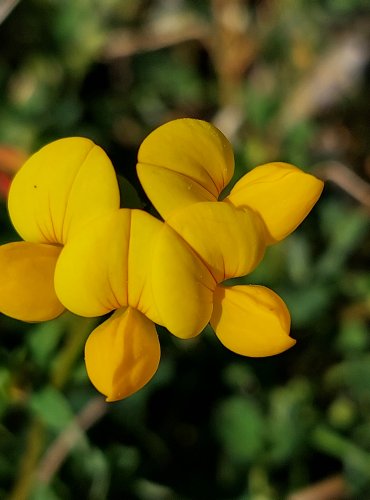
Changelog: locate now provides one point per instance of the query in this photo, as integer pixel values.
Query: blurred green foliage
(211, 424)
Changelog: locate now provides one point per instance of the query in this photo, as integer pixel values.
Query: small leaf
(52, 408)
(240, 429)
(43, 340)
(291, 416)
(43, 492)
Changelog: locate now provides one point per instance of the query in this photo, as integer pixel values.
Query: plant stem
(78, 330)
(33, 448)
(77, 334)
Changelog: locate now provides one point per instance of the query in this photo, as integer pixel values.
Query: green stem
(77, 335)
(78, 330)
(328, 441)
(33, 449)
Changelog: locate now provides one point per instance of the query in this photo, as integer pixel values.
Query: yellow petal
(91, 277)
(282, 194)
(182, 285)
(109, 264)
(130, 258)
(251, 320)
(229, 240)
(60, 188)
(182, 162)
(144, 232)
(122, 354)
(166, 281)
(26, 286)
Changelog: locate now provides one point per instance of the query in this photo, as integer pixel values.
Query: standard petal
(182, 162)
(182, 285)
(122, 354)
(282, 194)
(251, 320)
(229, 240)
(26, 287)
(60, 188)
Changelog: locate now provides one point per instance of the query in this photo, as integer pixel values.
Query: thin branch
(6, 7)
(329, 489)
(336, 73)
(63, 444)
(233, 48)
(346, 179)
(229, 119)
(79, 330)
(127, 42)
(32, 452)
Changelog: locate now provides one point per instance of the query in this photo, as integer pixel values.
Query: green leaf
(52, 408)
(305, 304)
(353, 375)
(43, 492)
(291, 415)
(353, 337)
(239, 376)
(345, 229)
(239, 427)
(43, 340)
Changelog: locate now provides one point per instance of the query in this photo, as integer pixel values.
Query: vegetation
(284, 81)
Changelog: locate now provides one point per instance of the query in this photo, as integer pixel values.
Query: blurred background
(284, 80)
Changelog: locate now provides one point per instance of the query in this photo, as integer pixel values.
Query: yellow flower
(133, 263)
(184, 166)
(57, 191)
(82, 252)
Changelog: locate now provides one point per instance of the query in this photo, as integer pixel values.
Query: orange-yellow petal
(131, 258)
(91, 277)
(280, 193)
(229, 240)
(182, 162)
(60, 188)
(251, 320)
(26, 287)
(122, 354)
(182, 285)
(166, 281)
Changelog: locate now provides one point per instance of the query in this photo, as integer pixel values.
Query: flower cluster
(82, 252)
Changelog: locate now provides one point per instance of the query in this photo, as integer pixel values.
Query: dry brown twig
(125, 43)
(332, 488)
(337, 72)
(346, 179)
(233, 47)
(6, 7)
